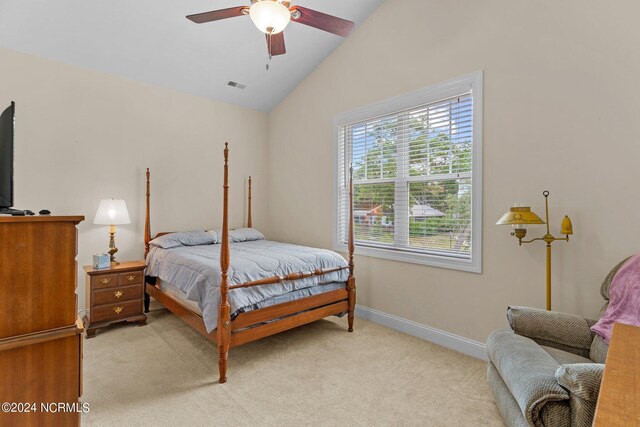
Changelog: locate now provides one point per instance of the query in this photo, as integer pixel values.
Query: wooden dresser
(619, 398)
(114, 295)
(40, 337)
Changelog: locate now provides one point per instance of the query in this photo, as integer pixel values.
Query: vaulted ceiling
(152, 41)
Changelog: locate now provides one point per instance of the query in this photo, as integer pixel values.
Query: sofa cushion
(581, 379)
(527, 370)
(599, 350)
(564, 357)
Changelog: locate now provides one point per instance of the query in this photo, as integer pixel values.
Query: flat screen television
(7, 133)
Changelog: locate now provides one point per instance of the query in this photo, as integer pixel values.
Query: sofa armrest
(528, 372)
(581, 379)
(567, 332)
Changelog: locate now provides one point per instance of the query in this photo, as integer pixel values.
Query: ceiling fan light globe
(269, 16)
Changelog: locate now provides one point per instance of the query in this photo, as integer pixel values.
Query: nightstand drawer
(116, 311)
(130, 278)
(104, 281)
(116, 295)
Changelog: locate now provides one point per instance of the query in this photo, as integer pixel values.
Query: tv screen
(7, 127)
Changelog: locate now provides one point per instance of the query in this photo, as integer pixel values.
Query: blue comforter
(196, 271)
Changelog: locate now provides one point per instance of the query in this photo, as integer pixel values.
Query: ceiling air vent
(236, 84)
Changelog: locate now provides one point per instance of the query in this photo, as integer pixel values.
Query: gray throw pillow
(240, 235)
(245, 235)
(184, 238)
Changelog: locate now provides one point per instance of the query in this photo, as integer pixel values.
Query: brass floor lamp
(520, 217)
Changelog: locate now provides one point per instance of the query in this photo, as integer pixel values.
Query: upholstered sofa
(546, 370)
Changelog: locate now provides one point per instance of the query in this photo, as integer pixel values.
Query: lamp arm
(547, 238)
(532, 240)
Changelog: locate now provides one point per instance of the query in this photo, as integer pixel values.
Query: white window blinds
(412, 177)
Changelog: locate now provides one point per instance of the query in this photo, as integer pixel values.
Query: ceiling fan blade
(322, 21)
(276, 44)
(216, 15)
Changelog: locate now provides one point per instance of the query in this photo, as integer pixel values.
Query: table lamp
(112, 212)
(521, 216)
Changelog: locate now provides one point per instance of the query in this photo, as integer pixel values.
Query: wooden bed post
(147, 239)
(147, 222)
(249, 213)
(351, 281)
(224, 315)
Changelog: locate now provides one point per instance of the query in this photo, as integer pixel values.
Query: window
(416, 163)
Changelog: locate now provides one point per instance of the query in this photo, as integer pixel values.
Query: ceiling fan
(272, 16)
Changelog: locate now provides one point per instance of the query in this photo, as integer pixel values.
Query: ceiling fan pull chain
(270, 38)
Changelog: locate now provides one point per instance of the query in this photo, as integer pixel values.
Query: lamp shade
(112, 212)
(270, 16)
(519, 215)
(566, 227)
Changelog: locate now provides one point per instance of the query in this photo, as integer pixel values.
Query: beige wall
(83, 136)
(560, 113)
(561, 84)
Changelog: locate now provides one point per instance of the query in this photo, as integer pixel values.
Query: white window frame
(471, 82)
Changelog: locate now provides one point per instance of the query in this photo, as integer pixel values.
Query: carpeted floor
(165, 374)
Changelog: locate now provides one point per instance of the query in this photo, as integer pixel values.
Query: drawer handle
(131, 277)
(117, 294)
(118, 310)
(105, 281)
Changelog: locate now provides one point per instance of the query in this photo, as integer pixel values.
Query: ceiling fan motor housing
(270, 16)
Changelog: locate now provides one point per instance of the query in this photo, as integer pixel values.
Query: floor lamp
(522, 216)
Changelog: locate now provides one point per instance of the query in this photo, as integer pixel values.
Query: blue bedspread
(196, 271)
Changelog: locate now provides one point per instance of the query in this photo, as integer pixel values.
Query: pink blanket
(624, 304)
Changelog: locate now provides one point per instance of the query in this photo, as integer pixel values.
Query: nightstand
(114, 295)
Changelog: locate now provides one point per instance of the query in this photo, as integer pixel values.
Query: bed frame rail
(287, 323)
(192, 318)
(278, 311)
(289, 277)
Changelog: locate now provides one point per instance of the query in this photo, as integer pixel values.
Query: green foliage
(379, 160)
(429, 154)
(369, 196)
(425, 227)
(375, 232)
(458, 213)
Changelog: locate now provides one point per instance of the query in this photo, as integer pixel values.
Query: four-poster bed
(240, 327)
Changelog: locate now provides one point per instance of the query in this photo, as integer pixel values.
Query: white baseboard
(446, 339)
